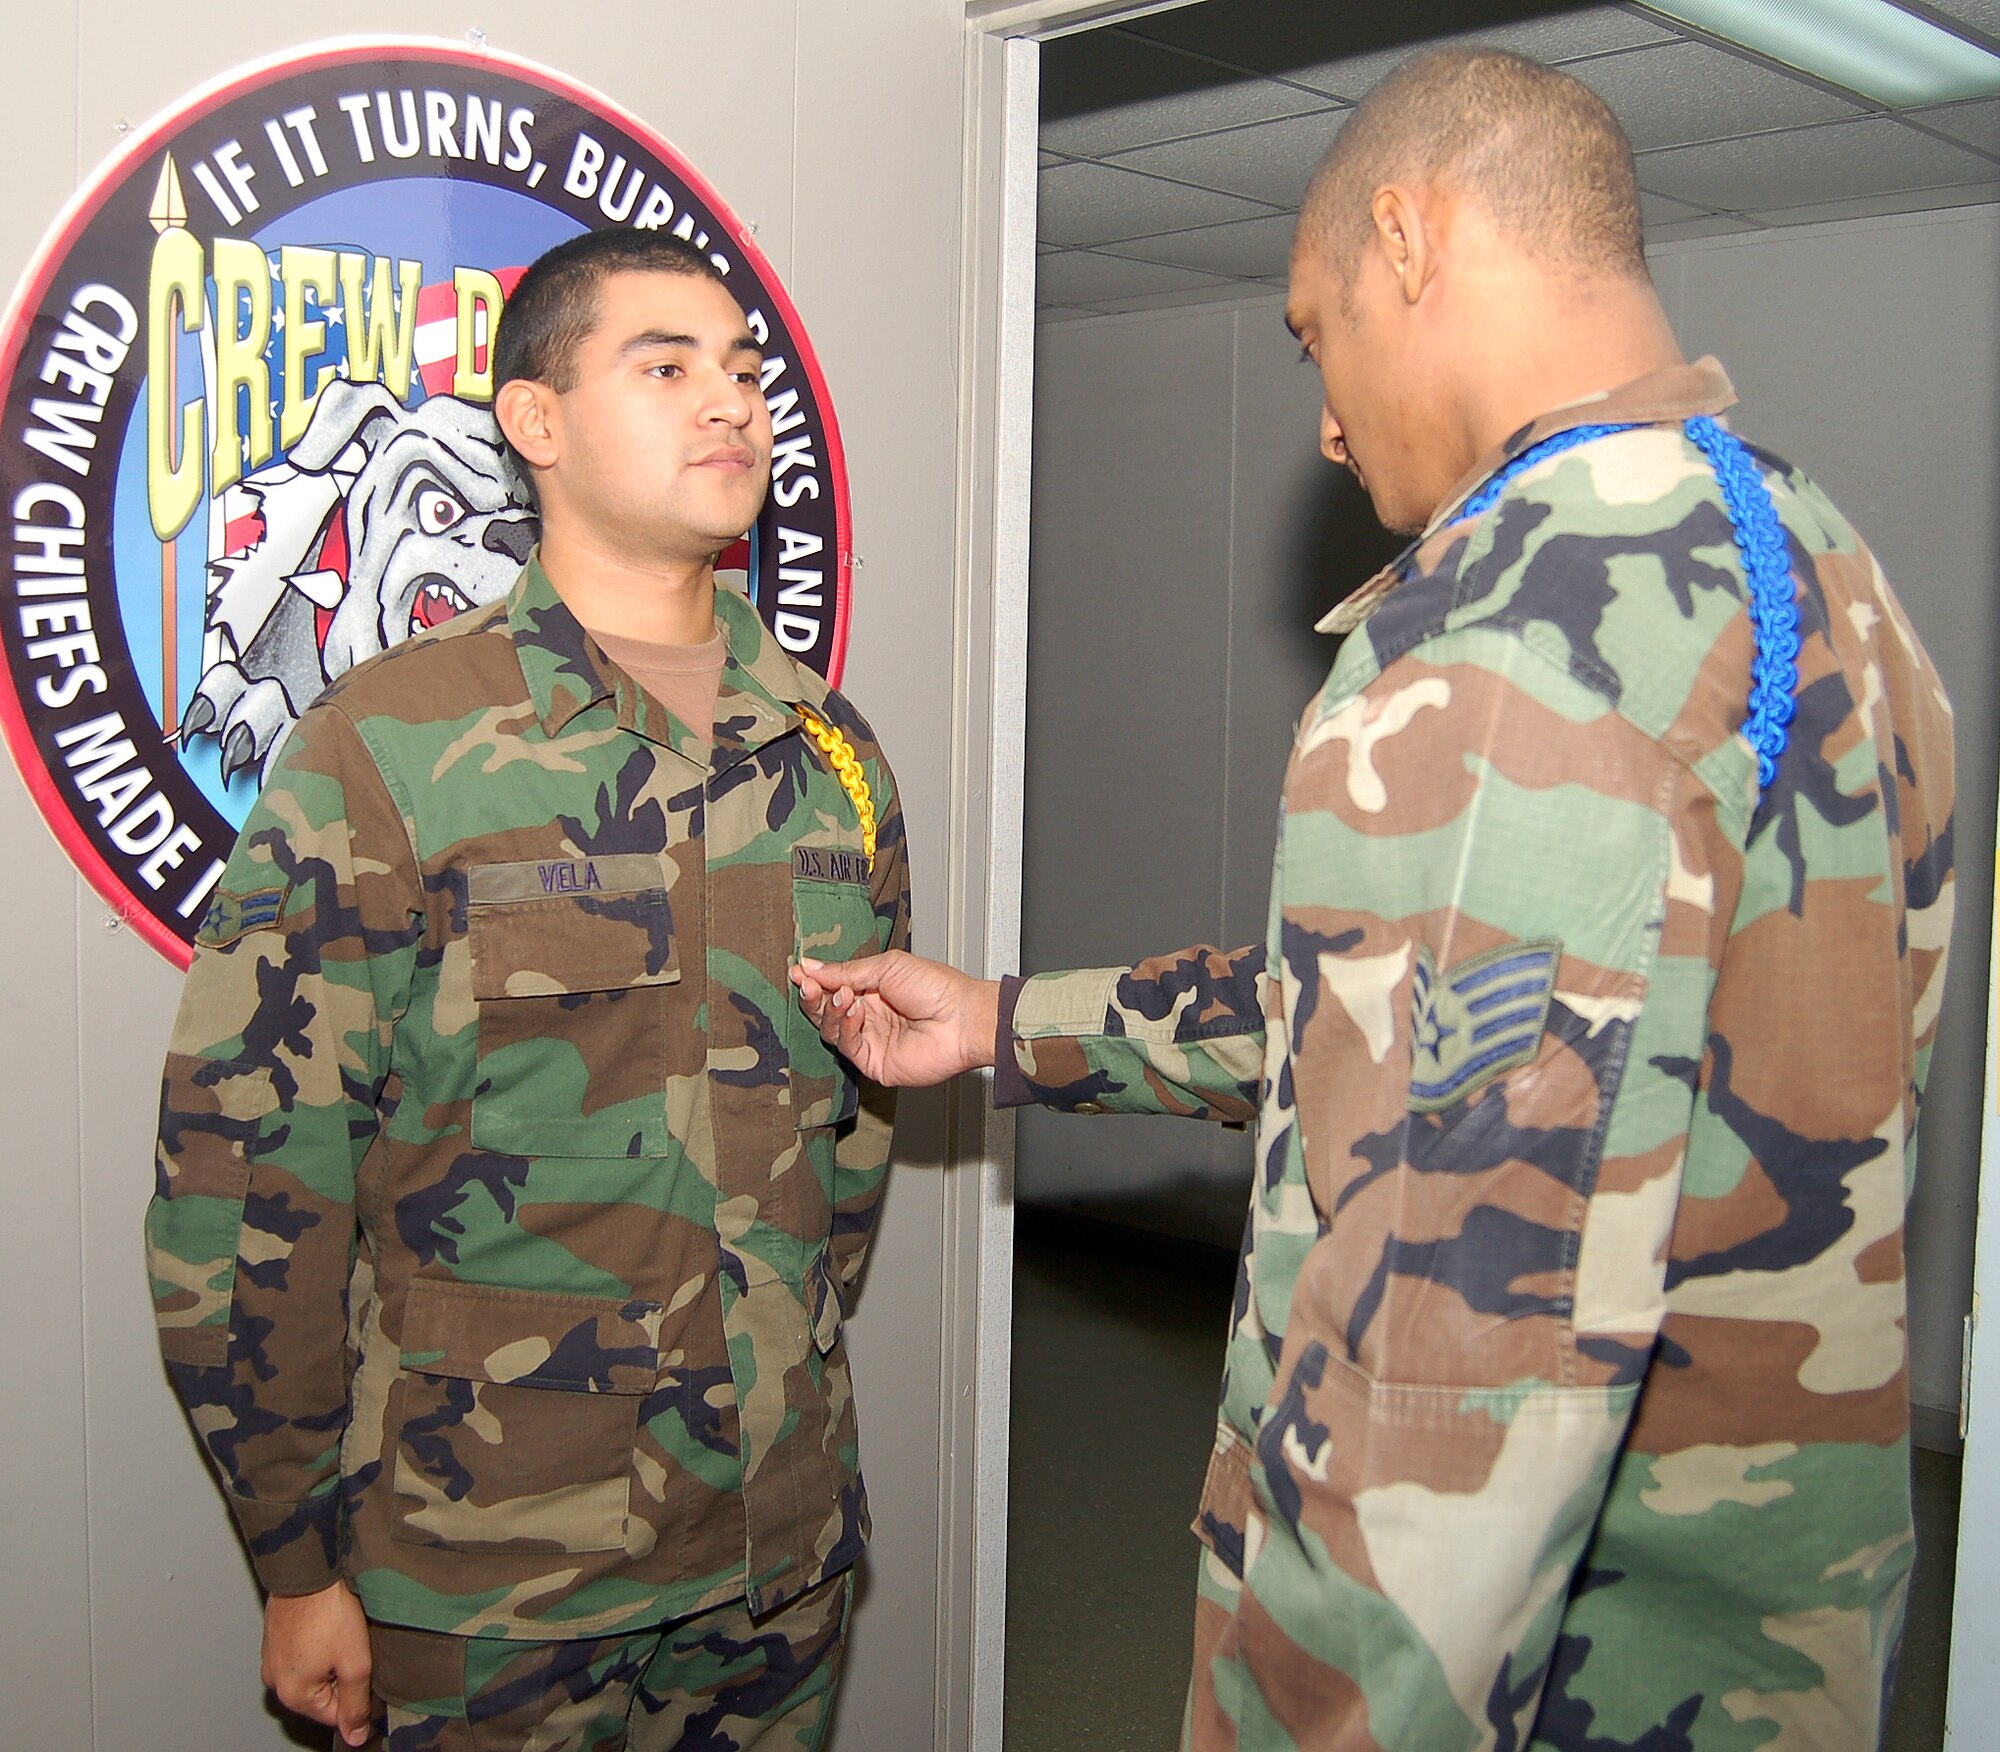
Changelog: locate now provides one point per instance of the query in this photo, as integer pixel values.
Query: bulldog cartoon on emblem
(382, 521)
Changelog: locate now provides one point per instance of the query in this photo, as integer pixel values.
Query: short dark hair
(554, 305)
(1538, 150)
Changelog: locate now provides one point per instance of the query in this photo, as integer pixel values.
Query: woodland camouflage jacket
(506, 1200)
(1566, 1401)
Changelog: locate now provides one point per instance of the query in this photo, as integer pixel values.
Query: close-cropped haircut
(1538, 151)
(554, 305)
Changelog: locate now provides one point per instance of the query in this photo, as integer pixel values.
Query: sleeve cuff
(294, 1547)
(1010, 1088)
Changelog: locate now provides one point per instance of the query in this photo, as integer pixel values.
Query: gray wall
(1186, 536)
(129, 1619)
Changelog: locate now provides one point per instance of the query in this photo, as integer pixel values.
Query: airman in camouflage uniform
(507, 1203)
(1566, 1401)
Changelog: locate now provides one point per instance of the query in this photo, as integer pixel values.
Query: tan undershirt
(683, 678)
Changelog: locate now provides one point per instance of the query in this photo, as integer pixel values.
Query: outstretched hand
(901, 1020)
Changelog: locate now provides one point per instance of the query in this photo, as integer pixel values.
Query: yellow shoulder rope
(846, 768)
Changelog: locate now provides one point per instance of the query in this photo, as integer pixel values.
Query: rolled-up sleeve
(1179, 1034)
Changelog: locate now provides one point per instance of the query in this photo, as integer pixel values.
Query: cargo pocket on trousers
(575, 995)
(834, 920)
(518, 1414)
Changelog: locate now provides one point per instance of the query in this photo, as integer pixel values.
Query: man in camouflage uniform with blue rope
(507, 1203)
(1566, 1401)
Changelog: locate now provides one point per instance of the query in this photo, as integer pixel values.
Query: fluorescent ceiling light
(1868, 46)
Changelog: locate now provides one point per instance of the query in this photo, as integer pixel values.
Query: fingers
(847, 1023)
(862, 974)
(353, 1705)
(316, 1697)
(821, 1000)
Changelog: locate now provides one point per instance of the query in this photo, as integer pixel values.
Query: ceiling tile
(1097, 69)
(1874, 206)
(1048, 158)
(1980, 14)
(1704, 225)
(1680, 93)
(1098, 203)
(1183, 300)
(1976, 123)
(1657, 210)
(1847, 160)
(1601, 30)
(1287, 36)
(1083, 277)
(1248, 249)
(1099, 132)
(1273, 161)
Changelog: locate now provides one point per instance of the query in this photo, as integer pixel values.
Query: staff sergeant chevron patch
(1477, 1020)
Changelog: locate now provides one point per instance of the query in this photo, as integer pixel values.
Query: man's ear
(1407, 238)
(528, 418)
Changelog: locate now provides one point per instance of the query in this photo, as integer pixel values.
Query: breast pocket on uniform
(574, 972)
(833, 914)
(518, 1415)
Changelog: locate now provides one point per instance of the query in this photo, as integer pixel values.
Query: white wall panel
(1187, 536)
(43, 1531)
(1304, 537)
(875, 217)
(1128, 637)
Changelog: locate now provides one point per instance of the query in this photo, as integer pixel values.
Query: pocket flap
(526, 1338)
(550, 929)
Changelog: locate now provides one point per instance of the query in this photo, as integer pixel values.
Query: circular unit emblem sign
(246, 439)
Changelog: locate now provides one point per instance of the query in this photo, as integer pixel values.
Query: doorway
(1185, 536)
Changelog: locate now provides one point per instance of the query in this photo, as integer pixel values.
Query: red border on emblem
(82, 208)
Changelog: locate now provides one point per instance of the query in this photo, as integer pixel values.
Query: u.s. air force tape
(828, 864)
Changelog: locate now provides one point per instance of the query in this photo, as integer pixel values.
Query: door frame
(1973, 1694)
(996, 414)
(983, 915)
(989, 735)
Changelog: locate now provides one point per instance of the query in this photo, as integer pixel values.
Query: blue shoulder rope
(1760, 539)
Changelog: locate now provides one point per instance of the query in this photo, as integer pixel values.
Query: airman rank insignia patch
(231, 915)
(1475, 1021)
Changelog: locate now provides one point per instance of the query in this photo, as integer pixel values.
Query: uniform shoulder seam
(1567, 665)
(420, 649)
(384, 776)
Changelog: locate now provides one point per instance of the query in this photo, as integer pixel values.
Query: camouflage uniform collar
(567, 674)
(565, 671)
(761, 686)
(1675, 393)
